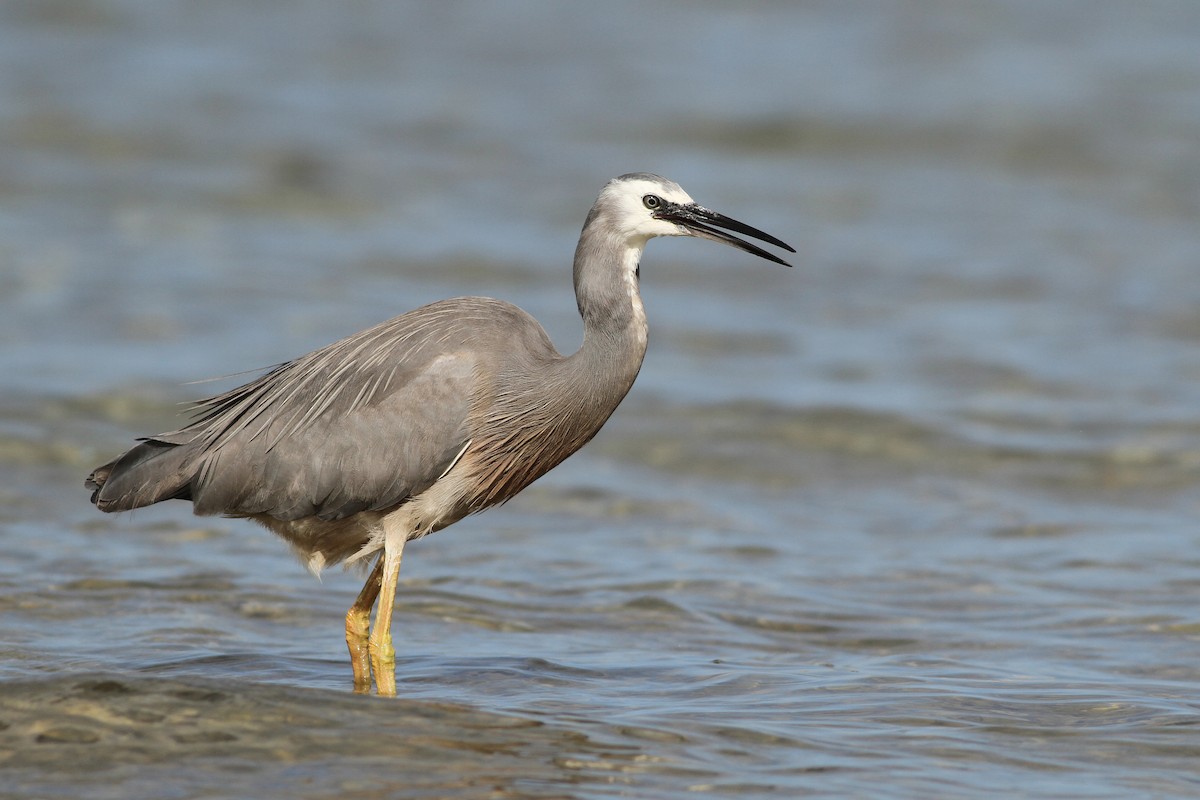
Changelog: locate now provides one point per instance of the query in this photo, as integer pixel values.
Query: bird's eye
(652, 201)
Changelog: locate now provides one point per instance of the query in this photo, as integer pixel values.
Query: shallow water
(915, 519)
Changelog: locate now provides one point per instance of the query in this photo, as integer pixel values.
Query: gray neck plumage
(614, 320)
(562, 404)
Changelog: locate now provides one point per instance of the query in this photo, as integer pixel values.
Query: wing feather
(362, 424)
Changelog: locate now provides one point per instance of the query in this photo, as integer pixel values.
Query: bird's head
(640, 206)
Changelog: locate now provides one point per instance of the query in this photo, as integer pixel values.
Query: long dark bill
(706, 223)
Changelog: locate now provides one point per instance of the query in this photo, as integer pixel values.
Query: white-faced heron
(407, 427)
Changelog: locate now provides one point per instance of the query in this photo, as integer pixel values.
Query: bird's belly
(321, 543)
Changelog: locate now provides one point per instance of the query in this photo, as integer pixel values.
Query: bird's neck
(610, 302)
(555, 405)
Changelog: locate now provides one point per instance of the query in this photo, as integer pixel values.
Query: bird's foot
(383, 660)
(357, 627)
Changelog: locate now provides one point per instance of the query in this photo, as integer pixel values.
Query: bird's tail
(149, 473)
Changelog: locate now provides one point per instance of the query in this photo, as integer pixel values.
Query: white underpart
(629, 269)
(428, 511)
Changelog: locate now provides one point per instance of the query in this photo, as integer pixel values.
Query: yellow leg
(383, 655)
(358, 623)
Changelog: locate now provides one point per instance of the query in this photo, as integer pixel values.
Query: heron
(398, 431)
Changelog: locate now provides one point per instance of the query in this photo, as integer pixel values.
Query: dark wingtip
(95, 481)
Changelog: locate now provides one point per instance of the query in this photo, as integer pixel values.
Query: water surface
(914, 519)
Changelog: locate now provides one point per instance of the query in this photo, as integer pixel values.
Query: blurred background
(915, 518)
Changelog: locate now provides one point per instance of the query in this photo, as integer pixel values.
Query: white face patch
(633, 218)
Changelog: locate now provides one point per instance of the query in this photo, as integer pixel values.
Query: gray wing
(362, 424)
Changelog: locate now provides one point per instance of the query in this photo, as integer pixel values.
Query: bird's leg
(358, 624)
(383, 655)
